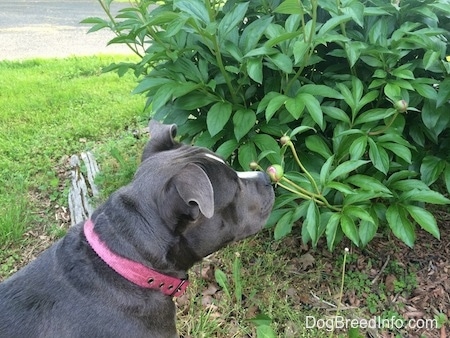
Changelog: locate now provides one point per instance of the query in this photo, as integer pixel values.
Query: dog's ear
(195, 189)
(162, 137)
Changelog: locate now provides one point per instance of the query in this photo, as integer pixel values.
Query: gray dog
(116, 274)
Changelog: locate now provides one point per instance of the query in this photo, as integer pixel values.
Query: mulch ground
(428, 261)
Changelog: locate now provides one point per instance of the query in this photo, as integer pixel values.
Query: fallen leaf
(389, 282)
(306, 261)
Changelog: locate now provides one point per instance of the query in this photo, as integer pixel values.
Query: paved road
(51, 28)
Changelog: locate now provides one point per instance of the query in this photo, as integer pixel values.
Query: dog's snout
(254, 175)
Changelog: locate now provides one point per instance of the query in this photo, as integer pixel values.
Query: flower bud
(285, 140)
(401, 106)
(275, 172)
(253, 165)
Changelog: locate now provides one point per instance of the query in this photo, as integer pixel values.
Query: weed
(8, 265)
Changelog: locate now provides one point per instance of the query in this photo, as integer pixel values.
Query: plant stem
(218, 54)
(386, 127)
(310, 178)
(309, 40)
(307, 197)
(341, 292)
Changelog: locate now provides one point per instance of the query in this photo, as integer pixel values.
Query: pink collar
(134, 271)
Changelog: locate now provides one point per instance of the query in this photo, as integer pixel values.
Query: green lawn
(51, 109)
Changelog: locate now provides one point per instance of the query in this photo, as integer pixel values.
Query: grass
(50, 109)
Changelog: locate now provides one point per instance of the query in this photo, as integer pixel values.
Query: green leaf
(378, 156)
(265, 331)
(336, 113)
(316, 144)
(358, 147)
(347, 94)
(244, 120)
(392, 91)
(321, 90)
(369, 97)
(255, 69)
(276, 101)
(332, 23)
(356, 10)
(194, 101)
(289, 7)
(363, 196)
(353, 50)
(332, 229)
(282, 61)
(218, 116)
(299, 130)
(284, 226)
(301, 48)
(266, 100)
(368, 183)
(431, 168)
(399, 150)
(403, 73)
(342, 187)
(349, 228)
(443, 93)
(375, 114)
(247, 154)
(345, 168)
(295, 106)
(367, 231)
(425, 90)
(313, 107)
(358, 212)
(194, 8)
(252, 34)
(98, 24)
(221, 279)
(149, 83)
(407, 184)
(162, 96)
(402, 228)
(427, 196)
(268, 145)
(261, 319)
(447, 176)
(425, 219)
(325, 170)
(94, 20)
(312, 221)
(232, 19)
(227, 148)
(430, 58)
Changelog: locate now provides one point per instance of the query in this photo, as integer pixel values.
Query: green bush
(360, 89)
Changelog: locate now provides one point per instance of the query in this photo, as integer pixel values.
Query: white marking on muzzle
(214, 157)
(248, 174)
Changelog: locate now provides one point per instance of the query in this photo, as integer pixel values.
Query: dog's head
(197, 195)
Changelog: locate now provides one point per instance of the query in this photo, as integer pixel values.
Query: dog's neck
(134, 272)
